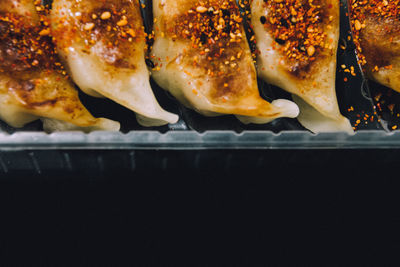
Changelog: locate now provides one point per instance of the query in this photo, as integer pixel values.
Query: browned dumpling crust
(103, 45)
(297, 43)
(202, 57)
(114, 24)
(33, 83)
(376, 29)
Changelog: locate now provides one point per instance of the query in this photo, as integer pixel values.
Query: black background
(274, 207)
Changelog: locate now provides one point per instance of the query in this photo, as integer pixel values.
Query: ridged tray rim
(193, 140)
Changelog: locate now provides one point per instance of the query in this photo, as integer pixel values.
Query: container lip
(192, 140)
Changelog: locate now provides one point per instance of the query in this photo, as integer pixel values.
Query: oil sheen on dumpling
(103, 44)
(32, 84)
(297, 43)
(202, 57)
(376, 29)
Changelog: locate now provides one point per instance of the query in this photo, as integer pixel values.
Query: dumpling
(32, 83)
(297, 43)
(103, 45)
(202, 58)
(376, 29)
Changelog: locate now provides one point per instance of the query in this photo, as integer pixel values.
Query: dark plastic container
(30, 149)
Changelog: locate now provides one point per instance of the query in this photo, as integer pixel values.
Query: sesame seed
(88, 26)
(105, 15)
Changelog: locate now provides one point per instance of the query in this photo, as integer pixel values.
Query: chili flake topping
(377, 10)
(298, 27)
(113, 25)
(214, 29)
(26, 47)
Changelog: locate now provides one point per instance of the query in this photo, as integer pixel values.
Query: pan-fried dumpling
(376, 29)
(297, 43)
(201, 57)
(103, 45)
(32, 84)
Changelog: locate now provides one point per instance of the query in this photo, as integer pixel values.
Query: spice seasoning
(113, 24)
(385, 12)
(214, 29)
(298, 27)
(375, 28)
(26, 47)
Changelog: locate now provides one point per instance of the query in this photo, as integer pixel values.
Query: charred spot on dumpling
(280, 41)
(203, 38)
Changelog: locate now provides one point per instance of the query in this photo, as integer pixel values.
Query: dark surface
(331, 208)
